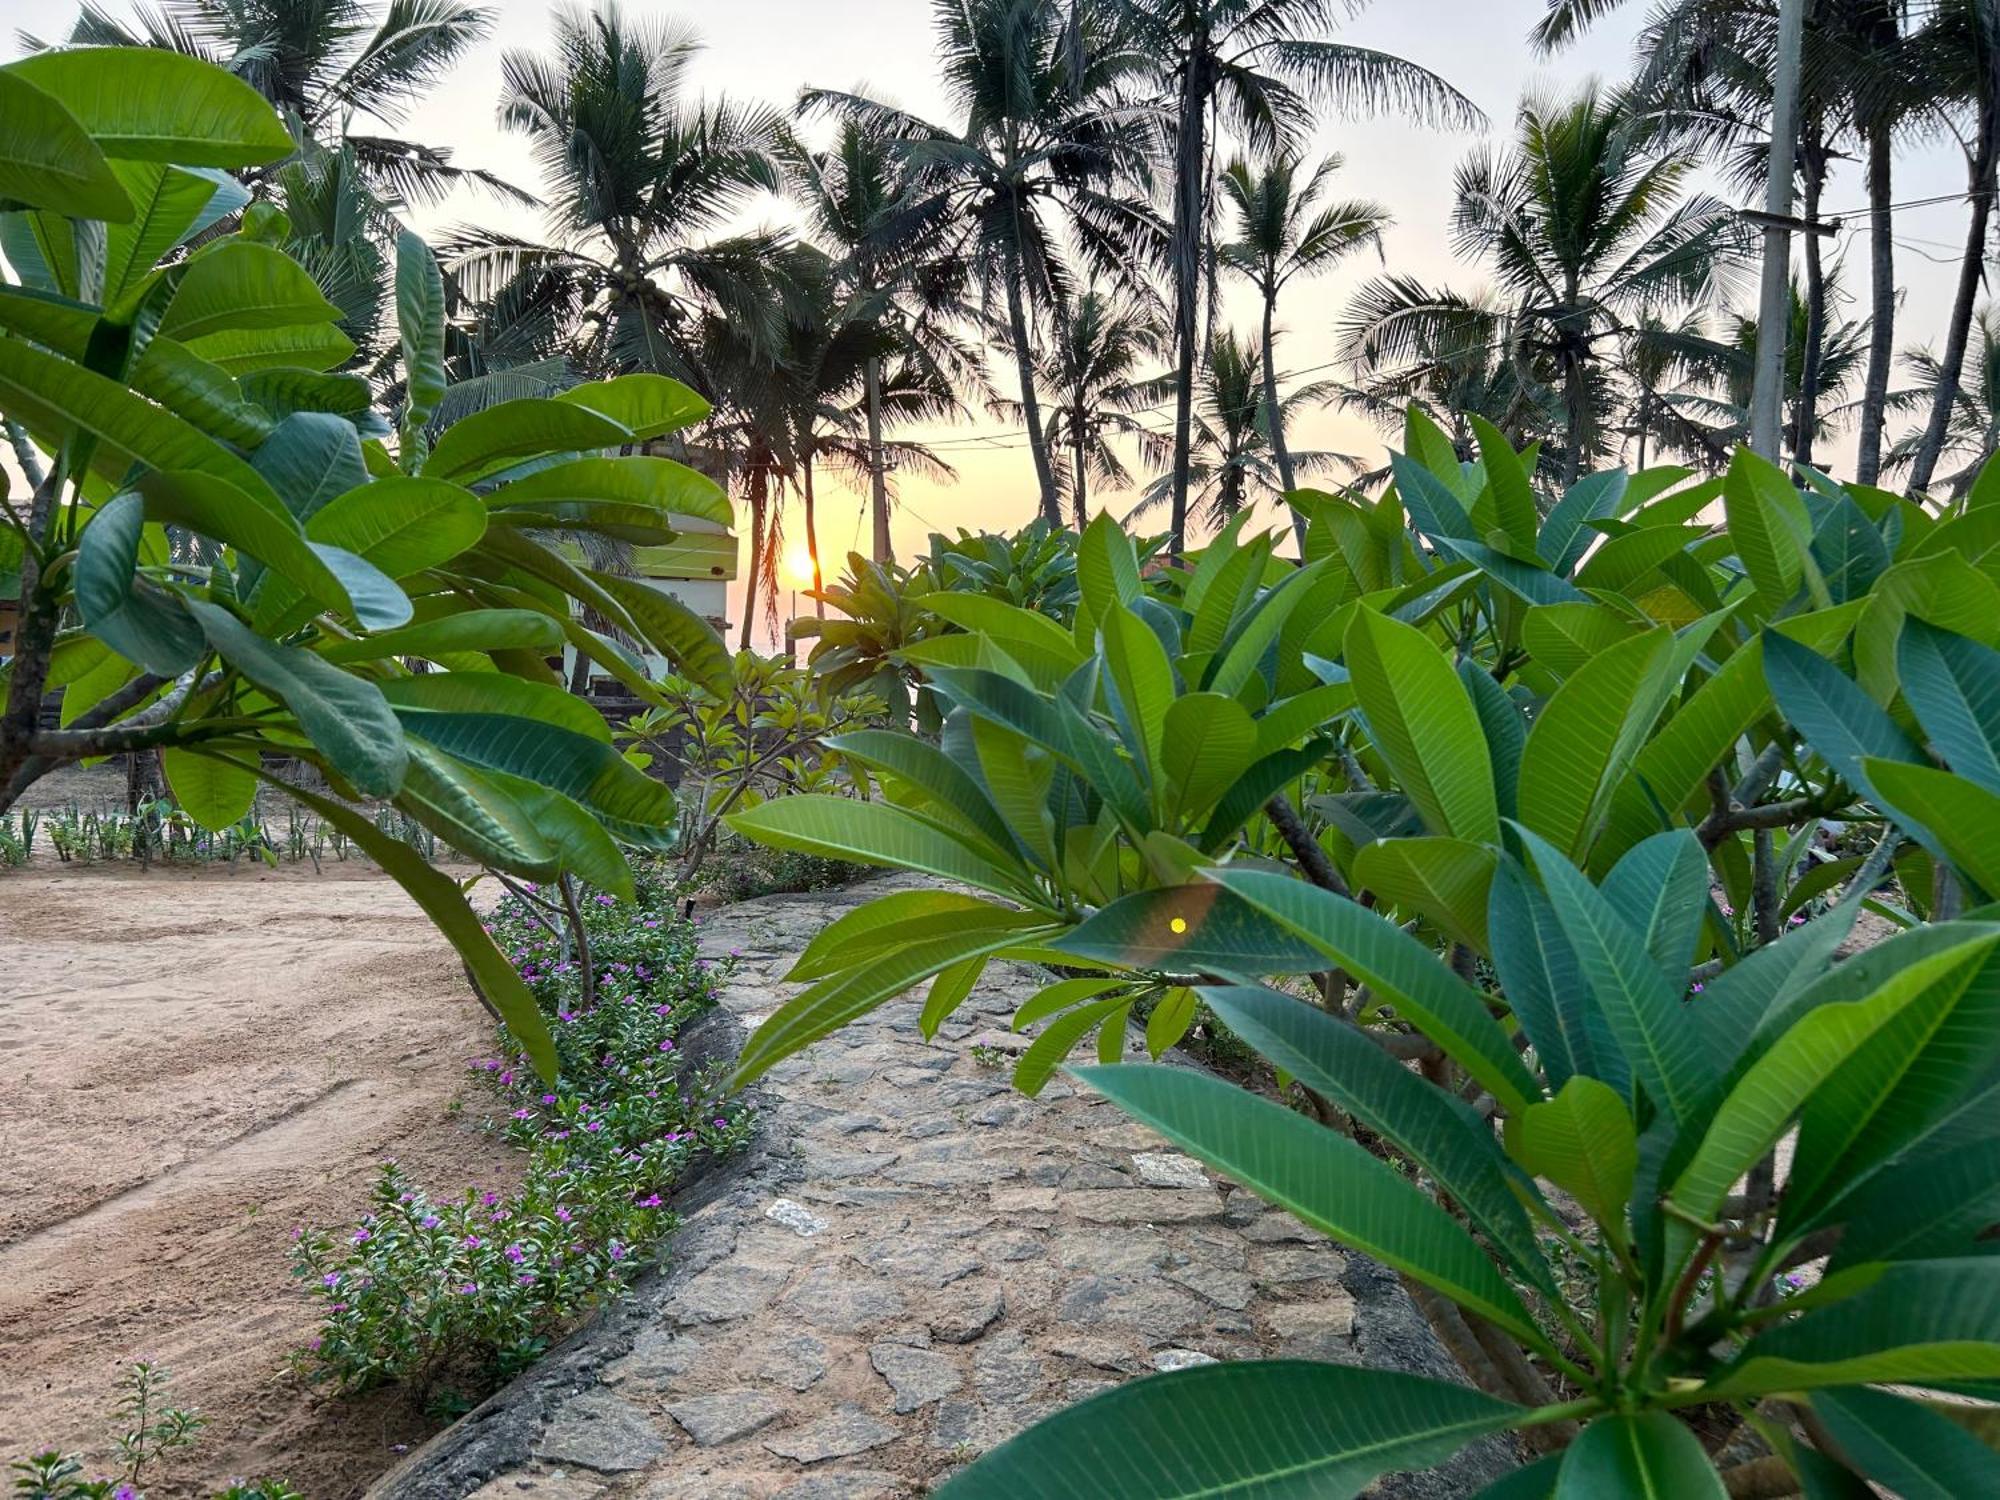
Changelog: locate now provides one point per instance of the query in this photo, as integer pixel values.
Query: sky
(770, 49)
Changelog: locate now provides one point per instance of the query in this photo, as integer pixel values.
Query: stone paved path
(916, 1263)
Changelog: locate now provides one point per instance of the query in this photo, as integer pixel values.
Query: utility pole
(1767, 393)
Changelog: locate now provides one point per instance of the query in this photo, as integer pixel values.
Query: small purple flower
(548, 1098)
(489, 1199)
(594, 1125)
(516, 1254)
(362, 1236)
(473, 1242)
(430, 1221)
(470, 1288)
(721, 1124)
(652, 1202)
(666, 1046)
(563, 1215)
(522, 1114)
(331, 1278)
(526, 1278)
(616, 1250)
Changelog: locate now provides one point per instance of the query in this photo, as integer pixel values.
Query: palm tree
(1255, 67)
(1088, 370)
(1232, 466)
(638, 175)
(1048, 147)
(855, 194)
(1586, 229)
(1972, 434)
(325, 66)
(1283, 231)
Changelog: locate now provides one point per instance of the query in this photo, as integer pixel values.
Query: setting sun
(798, 567)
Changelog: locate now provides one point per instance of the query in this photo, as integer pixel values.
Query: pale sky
(769, 49)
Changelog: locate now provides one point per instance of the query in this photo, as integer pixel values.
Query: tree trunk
(1079, 500)
(1882, 304)
(1185, 253)
(1809, 365)
(1275, 415)
(878, 483)
(758, 481)
(812, 533)
(1031, 408)
(1982, 184)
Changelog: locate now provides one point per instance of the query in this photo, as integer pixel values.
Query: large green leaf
(872, 833)
(1667, 1048)
(143, 624)
(1919, 1322)
(1660, 886)
(1442, 880)
(582, 486)
(1916, 1452)
(1334, 1059)
(1954, 686)
(150, 104)
(1424, 725)
(1188, 929)
(1507, 482)
(1584, 1142)
(1142, 687)
(517, 429)
(445, 904)
(1282, 1430)
(1402, 971)
(1647, 1456)
(214, 789)
(1565, 536)
(497, 693)
(650, 405)
(1585, 738)
(581, 845)
(1925, 1206)
(49, 161)
(420, 324)
(1838, 720)
(951, 791)
(309, 459)
(251, 521)
(1207, 741)
(897, 920)
(683, 637)
(303, 346)
(1952, 813)
(470, 630)
(401, 525)
(1323, 1178)
(1565, 637)
(240, 284)
(1767, 523)
(344, 716)
(473, 814)
(1544, 983)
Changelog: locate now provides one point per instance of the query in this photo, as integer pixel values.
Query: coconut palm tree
(1088, 372)
(1233, 465)
(1285, 231)
(1972, 434)
(1584, 225)
(1051, 161)
(640, 175)
(1256, 68)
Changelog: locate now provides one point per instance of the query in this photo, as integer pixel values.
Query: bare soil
(197, 1061)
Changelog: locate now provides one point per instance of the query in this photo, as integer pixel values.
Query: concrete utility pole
(1774, 305)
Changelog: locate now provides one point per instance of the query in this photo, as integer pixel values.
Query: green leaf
(141, 623)
(948, 991)
(831, 1003)
(1059, 1038)
(1766, 520)
(1585, 738)
(1402, 972)
(1838, 720)
(239, 284)
(495, 693)
(1507, 482)
(683, 637)
(1172, 1015)
(309, 459)
(1903, 1444)
(346, 717)
(1107, 570)
(573, 489)
(1565, 536)
(896, 921)
(518, 429)
(1436, 1132)
(1277, 1430)
(1958, 816)
(1142, 684)
(472, 813)
(148, 104)
(1544, 984)
(582, 847)
(420, 323)
(1443, 880)
(48, 160)
(469, 630)
(1528, 582)
(1424, 725)
(650, 405)
(1648, 1456)
(1537, 1481)
(1660, 886)
(401, 525)
(310, 347)
(1506, 735)
(1922, 1207)
(252, 522)
(1584, 1142)
(1669, 1052)
(1195, 928)
(1565, 637)
(1919, 1322)
(951, 792)
(213, 788)
(1207, 741)
(1434, 509)
(1321, 1177)
(1954, 686)
(444, 903)
(873, 833)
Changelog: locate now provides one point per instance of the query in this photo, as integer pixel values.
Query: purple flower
(548, 1098)
(526, 1278)
(721, 1124)
(361, 1236)
(489, 1199)
(523, 1114)
(124, 1492)
(331, 1278)
(473, 1242)
(666, 1046)
(563, 1214)
(617, 1251)
(469, 1289)
(595, 1125)
(430, 1221)
(652, 1202)
(516, 1254)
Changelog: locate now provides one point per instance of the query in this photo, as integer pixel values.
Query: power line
(1865, 208)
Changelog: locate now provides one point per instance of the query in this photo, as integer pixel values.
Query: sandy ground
(195, 1062)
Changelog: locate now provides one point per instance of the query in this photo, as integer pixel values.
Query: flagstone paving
(914, 1263)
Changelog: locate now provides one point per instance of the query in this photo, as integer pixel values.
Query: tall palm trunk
(812, 531)
(759, 496)
(1031, 408)
(878, 482)
(1078, 500)
(1274, 414)
(1982, 185)
(1882, 303)
(1803, 419)
(1185, 253)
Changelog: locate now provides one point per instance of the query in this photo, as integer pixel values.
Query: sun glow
(798, 567)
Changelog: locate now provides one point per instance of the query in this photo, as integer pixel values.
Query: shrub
(471, 1289)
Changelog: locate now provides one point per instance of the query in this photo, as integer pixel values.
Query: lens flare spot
(1177, 926)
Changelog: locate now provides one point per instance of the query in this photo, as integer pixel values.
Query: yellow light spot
(1178, 925)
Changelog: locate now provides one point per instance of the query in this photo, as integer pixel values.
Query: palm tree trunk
(812, 531)
(758, 496)
(1185, 253)
(1958, 331)
(1079, 500)
(1882, 304)
(1275, 415)
(1031, 409)
(1803, 419)
(878, 483)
